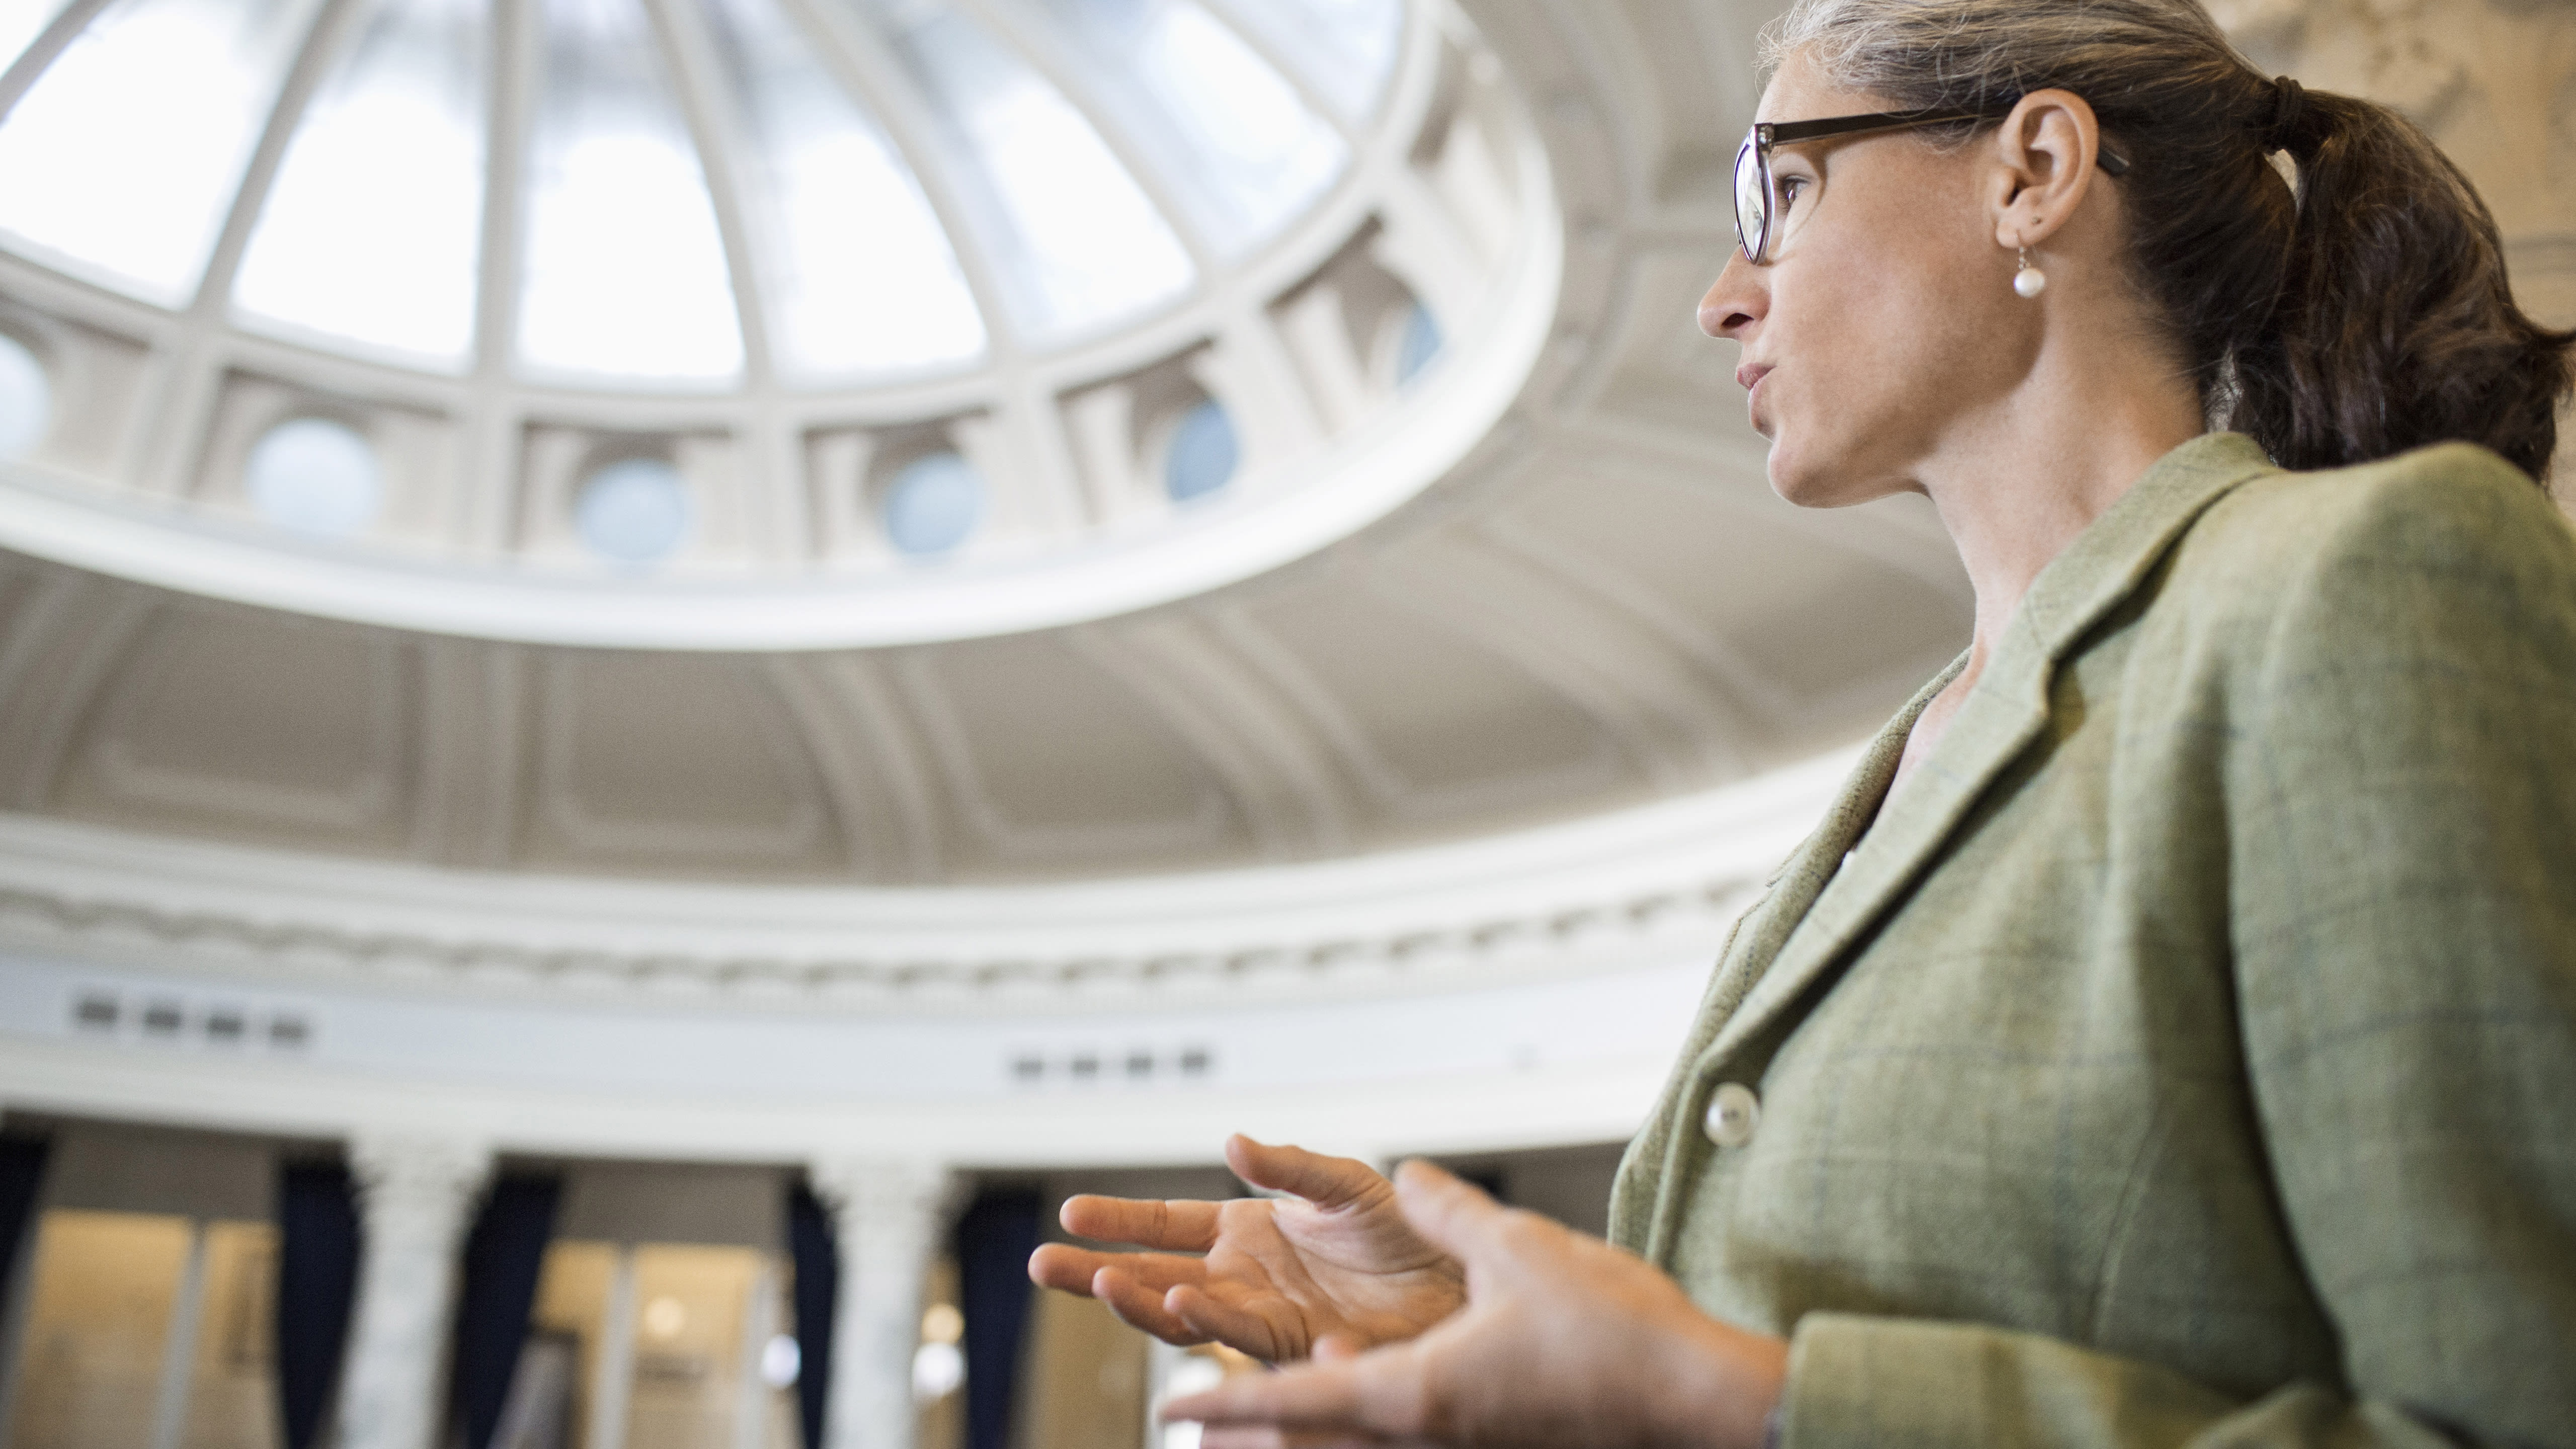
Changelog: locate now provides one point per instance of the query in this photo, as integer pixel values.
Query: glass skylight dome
(894, 185)
(748, 323)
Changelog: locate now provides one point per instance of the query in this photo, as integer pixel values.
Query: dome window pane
(1229, 133)
(933, 504)
(315, 476)
(860, 275)
(26, 399)
(21, 21)
(372, 227)
(1419, 346)
(625, 269)
(1073, 235)
(636, 511)
(124, 156)
(1344, 49)
(1204, 453)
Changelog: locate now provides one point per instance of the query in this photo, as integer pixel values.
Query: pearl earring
(2030, 281)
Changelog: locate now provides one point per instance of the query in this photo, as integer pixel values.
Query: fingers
(1142, 1308)
(1451, 1213)
(1174, 1227)
(1070, 1269)
(1245, 1436)
(1322, 1397)
(1236, 1329)
(1056, 1266)
(1324, 1181)
(1262, 1436)
(1373, 1396)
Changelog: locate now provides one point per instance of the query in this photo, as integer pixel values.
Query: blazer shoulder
(2454, 507)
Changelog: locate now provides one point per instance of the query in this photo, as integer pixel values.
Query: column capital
(861, 1189)
(418, 1161)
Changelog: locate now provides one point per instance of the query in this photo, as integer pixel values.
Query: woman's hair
(2368, 315)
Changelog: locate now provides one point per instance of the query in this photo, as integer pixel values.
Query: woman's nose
(1736, 300)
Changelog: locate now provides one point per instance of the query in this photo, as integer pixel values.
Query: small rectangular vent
(167, 1020)
(1097, 1067)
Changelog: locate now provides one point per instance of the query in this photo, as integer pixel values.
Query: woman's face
(1884, 324)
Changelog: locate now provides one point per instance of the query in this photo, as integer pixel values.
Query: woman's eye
(1790, 188)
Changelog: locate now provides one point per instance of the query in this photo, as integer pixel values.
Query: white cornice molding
(1588, 1102)
(1551, 901)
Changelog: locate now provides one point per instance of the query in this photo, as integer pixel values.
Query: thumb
(1327, 1182)
(1451, 1213)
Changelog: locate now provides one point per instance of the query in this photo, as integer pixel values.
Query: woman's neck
(2016, 484)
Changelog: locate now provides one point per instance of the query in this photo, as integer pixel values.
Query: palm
(1277, 1274)
(1304, 1271)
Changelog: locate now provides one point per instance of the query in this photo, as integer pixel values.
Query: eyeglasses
(1753, 188)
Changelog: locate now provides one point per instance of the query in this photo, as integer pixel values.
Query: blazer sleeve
(2402, 858)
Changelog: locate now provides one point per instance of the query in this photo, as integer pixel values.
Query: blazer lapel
(1813, 866)
(2004, 713)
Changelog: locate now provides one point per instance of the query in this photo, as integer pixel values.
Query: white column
(413, 1197)
(887, 1216)
(759, 1325)
(612, 1379)
(179, 1345)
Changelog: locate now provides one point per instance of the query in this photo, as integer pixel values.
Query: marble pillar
(415, 1195)
(888, 1217)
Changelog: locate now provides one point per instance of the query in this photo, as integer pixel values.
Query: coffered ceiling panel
(1696, 71)
(1052, 761)
(1433, 720)
(1742, 576)
(680, 761)
(221, 717)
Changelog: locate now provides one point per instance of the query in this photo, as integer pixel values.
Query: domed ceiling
(1071, 438)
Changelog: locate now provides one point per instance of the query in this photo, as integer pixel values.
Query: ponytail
(2365, 315)
(2396, 326)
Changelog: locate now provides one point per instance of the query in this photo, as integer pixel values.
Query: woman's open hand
(1277, 1274)
(1564, 1340)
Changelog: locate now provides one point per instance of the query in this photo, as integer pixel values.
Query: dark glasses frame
(1753, 232)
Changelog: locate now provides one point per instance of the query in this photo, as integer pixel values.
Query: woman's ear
(2043, 166)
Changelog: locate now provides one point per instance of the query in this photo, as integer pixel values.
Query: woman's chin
(1813, 481)
(1794, 480)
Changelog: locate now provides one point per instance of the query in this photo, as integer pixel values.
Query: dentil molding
(1556, 900)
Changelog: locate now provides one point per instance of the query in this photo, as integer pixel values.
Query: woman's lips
(1749, 377)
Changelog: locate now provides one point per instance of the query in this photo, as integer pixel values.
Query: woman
(2170, 1035)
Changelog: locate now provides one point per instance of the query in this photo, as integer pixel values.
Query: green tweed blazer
(2186, 1055)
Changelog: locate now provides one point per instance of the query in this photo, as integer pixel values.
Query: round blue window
(1421, 344)
(635, 511)
(1204, 453)
(316, 476)
(933, 504)
(26, 398)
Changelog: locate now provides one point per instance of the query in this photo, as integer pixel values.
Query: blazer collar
(2006, 710)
